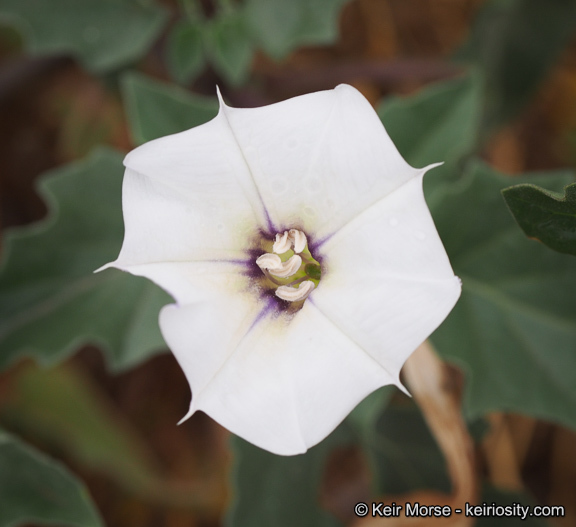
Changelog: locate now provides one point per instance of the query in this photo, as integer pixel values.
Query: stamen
(269, 261)
(289, 267)
(296, 277)
(272, 263)
(298, 239)
(292, 294)
(282, 243)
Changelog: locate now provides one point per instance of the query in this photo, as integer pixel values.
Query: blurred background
(75, 75)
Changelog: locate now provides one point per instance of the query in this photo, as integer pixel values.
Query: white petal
(189, 196)
(191, 282)
(286, 386)
(220, 309)
(319, 159)
(182, 223)
(387, 281)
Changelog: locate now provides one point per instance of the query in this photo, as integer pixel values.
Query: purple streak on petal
(265, 311)
(269, 222)
(316, 244)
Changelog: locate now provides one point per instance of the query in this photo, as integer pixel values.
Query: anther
(293, 294)
(282, 243)
(298, 239)
(276, 267)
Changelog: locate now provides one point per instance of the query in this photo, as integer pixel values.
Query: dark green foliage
(545, 216)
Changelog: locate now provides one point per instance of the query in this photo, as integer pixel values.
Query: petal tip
(220, 98)
(104, 267)
(430, 167)
(188, 415)
(402, 388)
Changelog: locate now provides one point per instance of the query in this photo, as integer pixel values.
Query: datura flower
(301, 255)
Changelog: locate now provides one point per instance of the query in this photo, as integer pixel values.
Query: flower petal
(388, 283)
(220, 310)
(318, 160)
(288, 383)
(189, 196)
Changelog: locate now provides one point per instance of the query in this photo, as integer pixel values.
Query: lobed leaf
(103, 34)
(514, 328)
(51, 302)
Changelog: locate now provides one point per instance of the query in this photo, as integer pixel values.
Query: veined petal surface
(188, 197)
(318, 160)
(283, 384)
(388, 282)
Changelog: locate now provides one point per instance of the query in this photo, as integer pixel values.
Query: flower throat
(290, 268)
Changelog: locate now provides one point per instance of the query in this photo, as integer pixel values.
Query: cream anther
(269, 261)
(282, 243)
(273, 264)
(298, 239)
(287, 268)
(293, 294)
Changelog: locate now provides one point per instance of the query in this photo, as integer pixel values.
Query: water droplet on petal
(220, 227)
(393, 222)
(309, 211)
(420, 235)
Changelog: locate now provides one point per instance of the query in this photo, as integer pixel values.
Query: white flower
(273, 351)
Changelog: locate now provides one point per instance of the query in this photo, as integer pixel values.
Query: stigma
(290, 268)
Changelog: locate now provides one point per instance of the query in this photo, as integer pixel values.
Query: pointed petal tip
(430, 167)
(344, 86)
(104, 267)
(402, 388)
(220, 98)
(188, 415)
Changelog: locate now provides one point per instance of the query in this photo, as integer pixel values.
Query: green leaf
(280, 26)
(51, 302)
(402, 453)
(545, 216)
(514, 328)
(278, 490)
(34, 488)
(364, 418)
(515, 43)
(185, 51)
(230, 46)
(439, 124)
(103, 34)
(156, 109)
